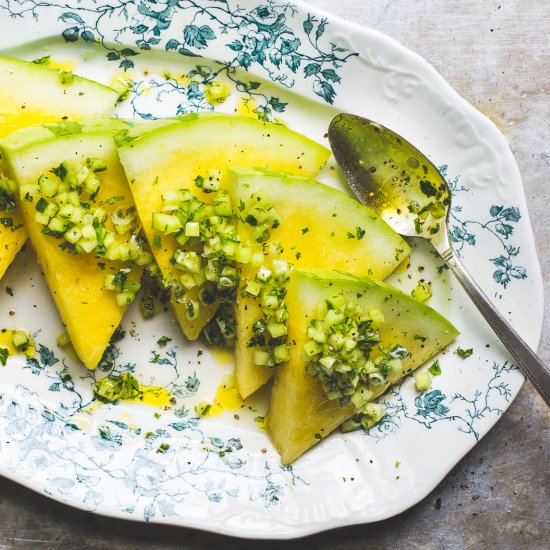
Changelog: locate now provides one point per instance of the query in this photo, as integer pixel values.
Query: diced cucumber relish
(66, 205)
(341, 338)
(270, 332)
(8, 188)
(208, 256)
(370, 416)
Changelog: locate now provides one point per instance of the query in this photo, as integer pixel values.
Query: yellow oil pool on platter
(154, 396)
(6, 343)
(227, 398)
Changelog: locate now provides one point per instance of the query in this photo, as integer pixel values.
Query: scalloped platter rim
(292, 62)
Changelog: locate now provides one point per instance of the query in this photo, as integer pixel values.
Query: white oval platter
(288, 61)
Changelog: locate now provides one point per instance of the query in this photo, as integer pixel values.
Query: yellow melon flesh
(172, 157)
(319, 228)
(33, 94)
(300, 413)
(12, 240)
(76, 281)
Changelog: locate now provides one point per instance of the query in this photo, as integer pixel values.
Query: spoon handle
(529, 363)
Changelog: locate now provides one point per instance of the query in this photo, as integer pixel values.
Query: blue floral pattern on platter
(261, 36)
(434, 406)
(499, 225)
(141, 463)
(188, 471)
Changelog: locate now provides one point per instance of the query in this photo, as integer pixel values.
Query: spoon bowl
(395, 179)
(392, 177)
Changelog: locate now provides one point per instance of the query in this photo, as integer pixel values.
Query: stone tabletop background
(495, 53)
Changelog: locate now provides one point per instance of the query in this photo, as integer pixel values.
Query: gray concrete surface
(496, 54)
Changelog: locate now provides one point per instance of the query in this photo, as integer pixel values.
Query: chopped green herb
(397, 463)
(163, 340)
(433, 228)
(115, 387)
(51, 233)
(350, 235)
(45, 61)
(163, 448)
(360, 232)
(120, 278)
(435, 369)
(305, 230)
(70, 248)
(398, 352)
(421, 338)
(4, 353)
(118, 334)
(112, 200)
(464, 353)
(428, 188)
(220, 331)
(157, 415)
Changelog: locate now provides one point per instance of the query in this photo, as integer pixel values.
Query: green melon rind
(141, 127)
(50, 130)
(167, 136)
(122, 130)
(35, 85)
(300, 413)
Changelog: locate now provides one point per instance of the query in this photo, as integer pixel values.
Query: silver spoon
(396, 180)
